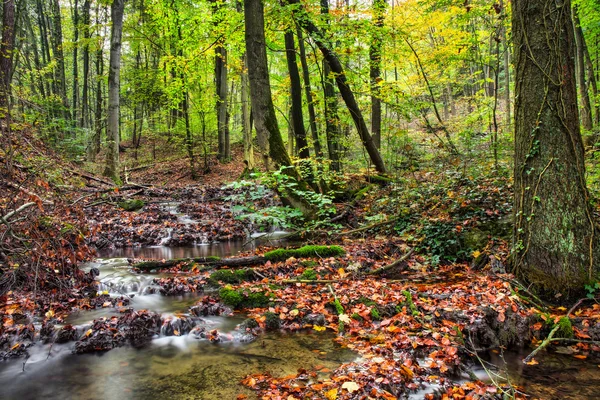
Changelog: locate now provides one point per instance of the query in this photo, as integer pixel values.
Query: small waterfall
(165, 240)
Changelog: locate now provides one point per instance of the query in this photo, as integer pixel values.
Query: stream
(170, 366)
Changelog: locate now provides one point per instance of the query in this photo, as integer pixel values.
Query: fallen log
(188, 263)
(395, 264)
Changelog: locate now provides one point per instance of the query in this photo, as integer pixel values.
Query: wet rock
(272, 321)
(248, 325)
(66, 334)
(315, 319)
(135, 328)
(208, 307)
(176, 326)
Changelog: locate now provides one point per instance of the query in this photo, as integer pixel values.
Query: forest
(297, 199)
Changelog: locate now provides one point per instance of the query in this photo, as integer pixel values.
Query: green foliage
(410, 303)
(305, 252)
(565, 327)
(591, 289)
(441, 240)
(375, 314)
(272, 321)
(230, 297)
(338, 307)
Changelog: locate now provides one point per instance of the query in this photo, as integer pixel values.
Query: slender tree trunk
(224, 153)
(112, 122)
(555, 245)
(246, 121)
(585, 108)
(340, 77)
(59, 57)
(75, 94)
(506, 66)
(332, 119)
(375, 69)
(593, 84)
(296, 96)
(309, 96)
(83, 119)
(94, 147)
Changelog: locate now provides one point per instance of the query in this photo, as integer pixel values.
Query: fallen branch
(549, 339)
(91, 177)
(396, 263)
(25, 206)
(209, 261)
(365, 228)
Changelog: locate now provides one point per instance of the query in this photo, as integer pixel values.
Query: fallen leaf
(350, 386)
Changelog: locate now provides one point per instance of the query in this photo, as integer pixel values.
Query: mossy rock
(305, 252)
(272, 321)
(249, 323)
(229, 276)
(131, 205)
(241, 298)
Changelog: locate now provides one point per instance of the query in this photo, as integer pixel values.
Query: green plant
(309, 274)
(305, 252)
(591, 289)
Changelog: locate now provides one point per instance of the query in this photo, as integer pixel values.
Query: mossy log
(274, 255)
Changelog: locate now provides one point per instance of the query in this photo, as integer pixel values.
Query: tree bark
(267, 129)
(75, 93)
(221, 88)
(555, 246)
(375, 69)
(312, 117)
(296, 96)
(59, 57)
(585, 108)
(6, 51)
(332, 120)
(112, 122)
(83, 119)
(333, 60)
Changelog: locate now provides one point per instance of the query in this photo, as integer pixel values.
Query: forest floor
(409, 275)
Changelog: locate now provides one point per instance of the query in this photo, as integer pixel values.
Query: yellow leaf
(350, 386)
(331, 394)
(476, 253)
(294, 312)
(50, 314)
(88, 332)
(532, 362)
(319, 328)
(342, 272)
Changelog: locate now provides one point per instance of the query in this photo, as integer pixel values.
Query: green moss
(272, 321)
(565, 327)
(338, 307)
(375, 314)
(229, 276)
(366, 301)
(309, 274)
(410, 303)
(356, 317)
(230, 297)
(243, 298)
(305, 252)
(309, 263)
(131, 205)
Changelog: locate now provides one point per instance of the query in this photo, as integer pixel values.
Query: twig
(25, 206)
(381, 270)
(547, 341)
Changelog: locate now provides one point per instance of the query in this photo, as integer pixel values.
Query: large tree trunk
(75, 89)
(555, 243)
(375, 69)
(340, 77)
(585, 108)
(94, 146)
(267, 129)
(112, 122)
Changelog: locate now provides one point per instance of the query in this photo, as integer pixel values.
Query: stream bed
(184, 367)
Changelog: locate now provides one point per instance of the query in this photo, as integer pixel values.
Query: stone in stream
(206, 307)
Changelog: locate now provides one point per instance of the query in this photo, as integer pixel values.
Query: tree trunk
(375, 69)
(94, 147)
(6, 52)
(555, 248)
(267, 130)
(309, 97)
(506, 66)
(246, 121)
(585, 108)
(340, 77)
(75, 92)
(297, 121)
(83, 119)
(332, 119)
(112, 122)
(59, 57)
(224, 152)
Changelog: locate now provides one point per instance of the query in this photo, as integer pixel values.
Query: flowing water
(170, 366)
(184, 367)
